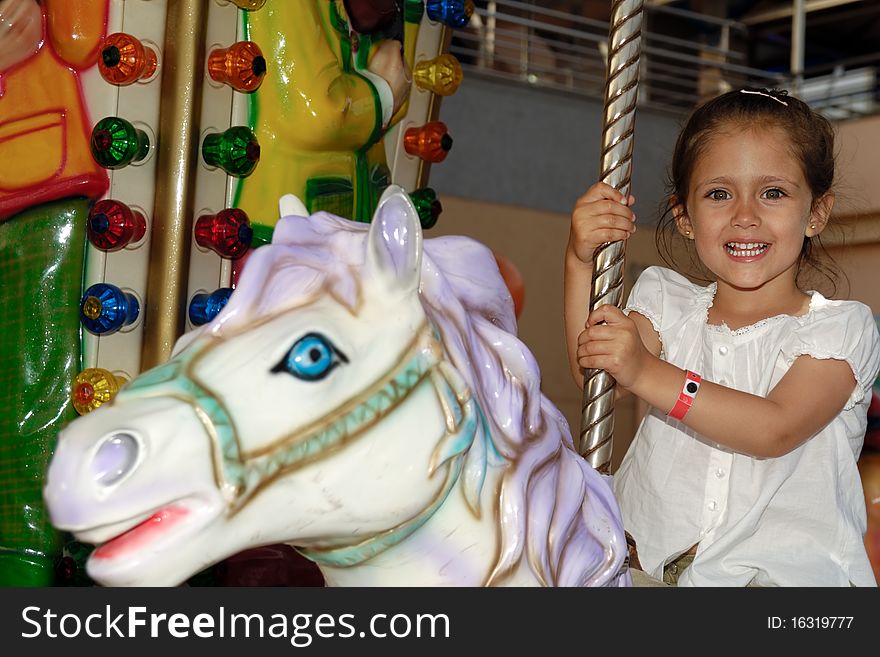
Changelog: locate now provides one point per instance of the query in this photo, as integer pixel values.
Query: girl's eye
(718, 195)
(774, 194)
(311, 358)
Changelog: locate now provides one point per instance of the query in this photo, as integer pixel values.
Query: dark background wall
(539, 149)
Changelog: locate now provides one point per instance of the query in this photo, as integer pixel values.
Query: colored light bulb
(94, 386)
(431, 142)
(427, 205)
(413, 10)
(205, 307)
(116, 143)
(262, 235)
(241, 66)
(248, 5)
(228, 233)
(105, 309)
(124, 59)
(235, 150)
(454, 13)
(442, 75)
(112, 225)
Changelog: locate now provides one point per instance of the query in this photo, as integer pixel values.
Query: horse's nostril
(114, 458)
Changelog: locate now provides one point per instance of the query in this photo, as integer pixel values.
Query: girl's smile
(746, 251)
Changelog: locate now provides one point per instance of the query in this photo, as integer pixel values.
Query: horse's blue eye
(311, 358)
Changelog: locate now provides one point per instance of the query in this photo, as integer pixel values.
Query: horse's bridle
(241, 475)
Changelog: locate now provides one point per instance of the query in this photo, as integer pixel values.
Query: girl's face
(749, 208)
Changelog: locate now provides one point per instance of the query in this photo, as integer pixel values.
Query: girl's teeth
(745, 249)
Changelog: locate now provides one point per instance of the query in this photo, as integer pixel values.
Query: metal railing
(687, 57)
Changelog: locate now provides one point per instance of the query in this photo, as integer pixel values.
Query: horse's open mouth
(153, 530)
(147, 531)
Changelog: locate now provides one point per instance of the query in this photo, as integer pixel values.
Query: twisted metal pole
(621, 86)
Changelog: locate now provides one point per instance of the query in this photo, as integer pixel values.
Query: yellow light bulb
(441, 75)
(94, 386)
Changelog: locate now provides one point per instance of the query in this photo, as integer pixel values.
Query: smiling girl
(743, 472)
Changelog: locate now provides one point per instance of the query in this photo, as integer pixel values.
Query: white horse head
(359, 397)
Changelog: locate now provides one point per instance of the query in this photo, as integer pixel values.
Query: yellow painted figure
(44, 129)
(328, 97)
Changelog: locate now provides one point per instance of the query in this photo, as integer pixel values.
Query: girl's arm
(807, 398)
(600, 215)
(577, 284)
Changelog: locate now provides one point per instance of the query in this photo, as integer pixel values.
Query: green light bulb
(427, 205)
(116, 143)
(236, 151)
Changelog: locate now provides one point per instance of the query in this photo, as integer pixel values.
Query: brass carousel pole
(178, 158)
(621, 85)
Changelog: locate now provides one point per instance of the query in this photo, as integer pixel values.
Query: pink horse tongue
(150, 529)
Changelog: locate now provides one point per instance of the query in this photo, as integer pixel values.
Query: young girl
(744, 470)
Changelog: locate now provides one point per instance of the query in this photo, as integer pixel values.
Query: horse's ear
(290, 205)
(394, 243)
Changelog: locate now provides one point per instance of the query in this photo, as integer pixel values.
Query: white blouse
(794, 520)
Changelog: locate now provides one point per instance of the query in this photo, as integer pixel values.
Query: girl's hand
(601, 215)
(611, 342)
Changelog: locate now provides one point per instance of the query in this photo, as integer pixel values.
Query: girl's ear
(820, 214)
(681, 218)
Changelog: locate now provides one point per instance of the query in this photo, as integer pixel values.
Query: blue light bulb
(454, 13)
(205, 307)
(105, 309)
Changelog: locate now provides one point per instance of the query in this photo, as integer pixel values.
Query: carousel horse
(362, 397)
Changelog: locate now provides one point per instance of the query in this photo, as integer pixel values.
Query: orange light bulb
(124, 59)
(241, 66)
(431, 142)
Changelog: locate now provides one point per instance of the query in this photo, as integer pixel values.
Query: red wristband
(686, 396)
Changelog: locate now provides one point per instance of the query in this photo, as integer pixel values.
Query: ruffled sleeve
(646, 297)
(840, 330)
(666, 297)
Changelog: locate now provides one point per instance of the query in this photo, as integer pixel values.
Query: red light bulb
(228, 233)
(112, 225)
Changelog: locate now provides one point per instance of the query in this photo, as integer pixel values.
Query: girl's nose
(745, 215)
